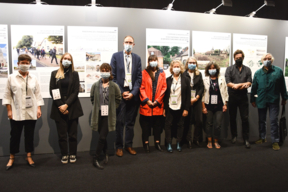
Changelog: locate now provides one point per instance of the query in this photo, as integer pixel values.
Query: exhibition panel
(93, 34)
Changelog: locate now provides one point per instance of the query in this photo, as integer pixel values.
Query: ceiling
(239, 8)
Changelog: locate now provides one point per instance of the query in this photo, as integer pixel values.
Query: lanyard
(211, 83)
(104, 92)
(128, 62)
(174, 89)
(66, 72)
(26, 85)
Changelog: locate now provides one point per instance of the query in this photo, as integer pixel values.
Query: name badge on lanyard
(174, 99)
(56, 94)
(104, 110)
(129, 80)
(193, 94)
(214, 99)
(28, 102)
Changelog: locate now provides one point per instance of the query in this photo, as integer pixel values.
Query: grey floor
(232, 168)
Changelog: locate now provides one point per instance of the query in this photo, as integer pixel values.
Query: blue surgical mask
(192, 66)
(105, 75)
(267, 63)
(212, 72)
(153, 64)
(128, 48)
(66, 63)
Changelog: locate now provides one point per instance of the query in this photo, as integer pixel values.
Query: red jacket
(146, 92)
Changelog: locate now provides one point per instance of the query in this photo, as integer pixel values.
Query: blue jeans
(273, 114)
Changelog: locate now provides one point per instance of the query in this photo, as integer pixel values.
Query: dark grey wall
(133, 22)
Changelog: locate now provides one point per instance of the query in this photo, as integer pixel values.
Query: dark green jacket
(267, 87)
(114, 102)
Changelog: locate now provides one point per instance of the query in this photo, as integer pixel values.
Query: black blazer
(185, 92)
(198, 84)
(74, 105)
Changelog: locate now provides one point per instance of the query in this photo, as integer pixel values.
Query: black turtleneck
(65, 82)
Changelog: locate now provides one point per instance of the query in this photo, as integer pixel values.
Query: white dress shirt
(126, 84)
(177, 87)
(15, 95)
(192, 76)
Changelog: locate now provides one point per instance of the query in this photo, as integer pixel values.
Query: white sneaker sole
(64, 162)
(73, 161)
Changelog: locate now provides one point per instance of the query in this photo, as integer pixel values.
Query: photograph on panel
(3, 61)
(168, 45)
(211, 46)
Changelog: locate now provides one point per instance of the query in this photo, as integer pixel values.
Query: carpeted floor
(232, 168)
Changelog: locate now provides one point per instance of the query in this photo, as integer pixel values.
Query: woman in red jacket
(152, 92)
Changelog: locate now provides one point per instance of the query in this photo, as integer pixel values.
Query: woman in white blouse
(23, 101)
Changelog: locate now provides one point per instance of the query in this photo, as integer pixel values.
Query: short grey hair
(262, 58)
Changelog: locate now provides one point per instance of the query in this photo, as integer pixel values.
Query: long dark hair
(149, 69)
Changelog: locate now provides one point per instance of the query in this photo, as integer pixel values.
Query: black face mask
(239, 62)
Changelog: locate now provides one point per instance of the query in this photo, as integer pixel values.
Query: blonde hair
(182, 69)
(196, 71)
(262, 58)
(60, 72)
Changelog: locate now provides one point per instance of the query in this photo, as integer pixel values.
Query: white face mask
(24, 68)
(105, 75)
(153, 64)
(128, 48)
(66, 63)
(176, 70)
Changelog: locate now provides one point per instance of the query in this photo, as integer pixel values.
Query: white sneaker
(72, 158)
(64, 159)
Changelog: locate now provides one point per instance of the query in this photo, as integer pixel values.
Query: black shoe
(158, 147)
(247, 144)
(234, 139)
(31, 165)
(146, 147)
(10, 167)
(197, 143)
(189, 144)
(97, 164)
(106, 159)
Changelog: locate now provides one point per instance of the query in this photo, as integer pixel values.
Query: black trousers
(210, 128)
(64, 127)
(174, 117)
(148, 122)
(126, 116)
(15, 135)
(103, 132)
(54, 57)
(241, 102)
(194, 117)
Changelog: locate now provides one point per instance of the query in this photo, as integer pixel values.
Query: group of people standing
(173, 103)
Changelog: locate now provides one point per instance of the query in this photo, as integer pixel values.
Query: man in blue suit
(127, 73)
